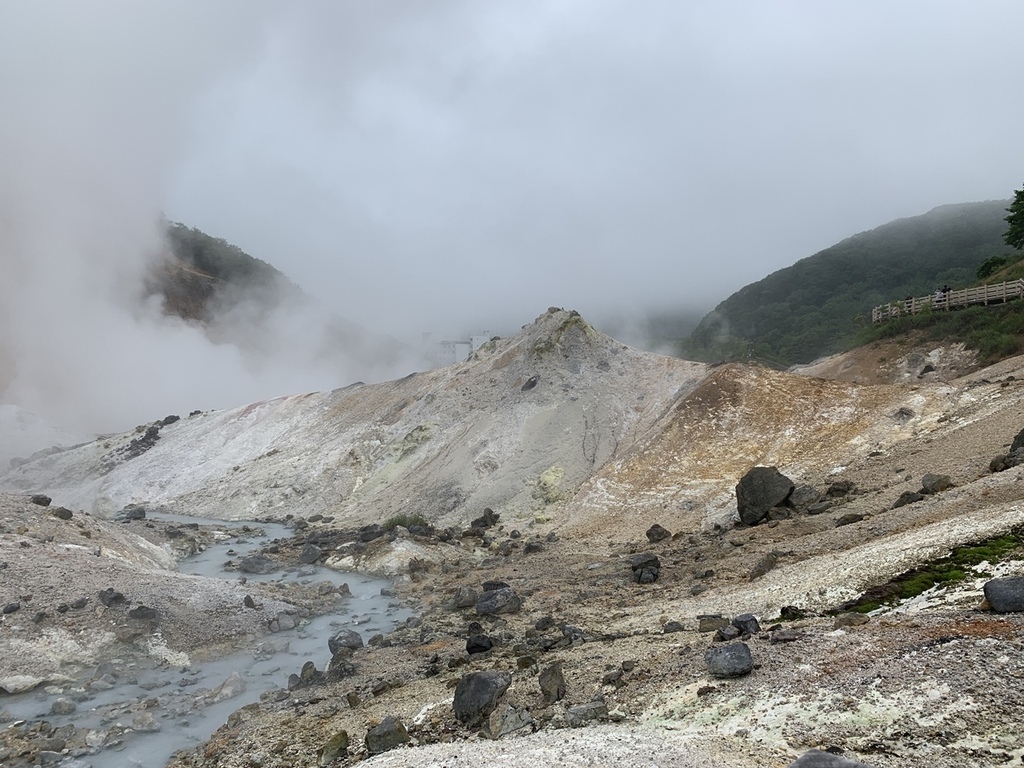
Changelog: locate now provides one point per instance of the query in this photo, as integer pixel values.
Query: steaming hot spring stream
(139, 712)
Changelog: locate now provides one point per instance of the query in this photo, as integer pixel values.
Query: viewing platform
(966, 297)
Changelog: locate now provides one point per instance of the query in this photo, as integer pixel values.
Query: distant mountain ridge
(815, 307)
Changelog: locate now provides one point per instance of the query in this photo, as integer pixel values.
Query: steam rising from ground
(92, 124)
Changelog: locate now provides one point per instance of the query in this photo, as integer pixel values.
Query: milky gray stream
(174, 695)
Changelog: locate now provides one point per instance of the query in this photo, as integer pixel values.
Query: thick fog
(455, 167)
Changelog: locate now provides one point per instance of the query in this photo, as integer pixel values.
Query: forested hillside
(817, 306)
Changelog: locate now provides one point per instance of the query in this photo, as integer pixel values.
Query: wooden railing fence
(982, 294)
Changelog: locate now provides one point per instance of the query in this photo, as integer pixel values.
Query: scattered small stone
(63, 706)
(820, 759)
(763, 565)
(726, 633)
(656, 533)
(850, 619)
(907, 497)
(645, 566)
(479, 644)
(711, 622)
(40, 499)
(61, 513)
(581, 714)
(504, 600)
(142, 612)
(672, 626)
(389, 734)
(552, 683)
(11, 607)
(849, 519)
(747, 624)
(932, 484)
(786, 636)
(334, 748)
(110, 596)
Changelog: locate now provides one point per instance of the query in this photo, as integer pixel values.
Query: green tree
(1014, 236)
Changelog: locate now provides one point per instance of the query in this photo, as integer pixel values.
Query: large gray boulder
(729, 660)
(759, 490)
(1006, 595)
(819, 759)
(477, 695)
(344, 638)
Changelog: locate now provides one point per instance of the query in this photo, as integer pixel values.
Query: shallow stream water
(152, 710)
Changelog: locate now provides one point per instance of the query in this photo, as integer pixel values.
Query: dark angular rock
(645, 566)
(818, 507)
(672, 626)
(41, 499)
(791, 613)
(932, 484)
(389, 734)
(656, 533)
(490, 586)
(370, 532)
(257, 564)
(710, 623)
(747, 623)
(729, 660)
(61, 513)
(503, 600)
(78, 603)
(786, 636)
(344, 638)
(488, 519)
(477, 695)
(334, 748)
(464, 597)
(1005, 595)
(804, 495)
(840, 488)
(581, 714)
(817, 758)
(552, 683)
(479, 644)
(310, 554)
(110, 596)
(849, 519)
(907, 497)
(11, 607)
(763, 565)
(142, 612)
(726, 633)
(133, 512)
(532, 546)
(167, 420)
(759, 490)
(1018, 442)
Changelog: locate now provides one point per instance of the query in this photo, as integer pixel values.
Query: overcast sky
(461, 165)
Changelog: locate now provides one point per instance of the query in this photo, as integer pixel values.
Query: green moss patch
(956, 567)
